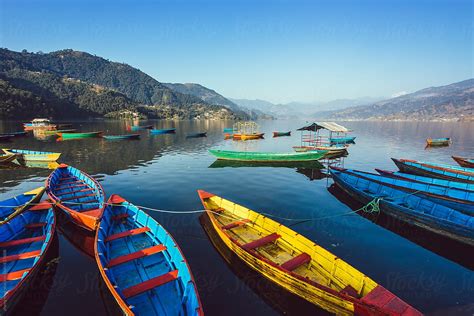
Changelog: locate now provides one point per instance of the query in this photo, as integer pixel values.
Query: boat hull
(414, 167)
(163, 131)
(438, 141)
(280, 134)
(79, 135)
(248, 136)
(121, 137)
(342, 140)
(268, 157)
(78, 195)
(197, 135)
(464, 162)
(29, 155)
(136, 128)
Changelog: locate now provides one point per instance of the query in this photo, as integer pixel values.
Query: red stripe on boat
(150, 284)
(136, 255)
(25, 255)
(21, 241)
(35, 225)
(261, 242)
(13, 275)
(42, 206)
(127, 233)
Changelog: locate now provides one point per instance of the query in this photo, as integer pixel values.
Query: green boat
(268, 156)
(79, 135)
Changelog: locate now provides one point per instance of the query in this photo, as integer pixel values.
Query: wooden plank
(13, 275)
(35, 225)
(20, 256)
(21, 241)
(72, 192)
(127, 233)
(136, 255)
(150, 284)
(235, 224)
(261, 242)
(297, 261)
(119, 217)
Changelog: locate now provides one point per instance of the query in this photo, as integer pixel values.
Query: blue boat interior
(7, 207)
(411, 204)
(76, 190)
(144, 264)
(23, 240)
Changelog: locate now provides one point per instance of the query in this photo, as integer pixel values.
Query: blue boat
(135, 128)
(412, 209)
(163, 131)
(435, 170)
(78, 195)
(121, 137)
(142, 265)
(228, 130)
(441, 182)
(458, 199)
(24, 243)
(10, 208)
(342, 140)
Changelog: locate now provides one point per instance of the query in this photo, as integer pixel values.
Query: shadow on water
(82, 240)
(275, 296)
(38, 290)
(450, 249)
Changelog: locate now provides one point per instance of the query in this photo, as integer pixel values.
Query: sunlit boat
(32, 155)
(39, 124)
(409, 208)
(24, 244)
(239, 136)
(298, 264)
(78, 195)
(10, 208)
(435, 170)
(142, 265)
(438, 141)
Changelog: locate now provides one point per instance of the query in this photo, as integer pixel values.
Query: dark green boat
(121, 137)
(268, 156)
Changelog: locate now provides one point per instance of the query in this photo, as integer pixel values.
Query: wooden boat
(12, 207)
(239, 136)
(458, 199)
(332, 151)
(298, 264)
(429, 180)
(6, 158)
(438, 141)
(6, 138)
(39, 124)
(197, 135)
(79, 135)
(409, 208)
(78, 195)
(31, 155)
(14, 134)
(267, 156)
(279, 134)
(228, 130)
(137, 256)
(435, 170)
(342, 140)
(135, 128)
(121, 137)
(59, 131)
(24, 244)
(464, 162)
(163, 131)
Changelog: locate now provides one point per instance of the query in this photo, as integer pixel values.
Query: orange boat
(78, 195)
(248, 136)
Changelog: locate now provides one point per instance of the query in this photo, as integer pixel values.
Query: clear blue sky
(275, 50)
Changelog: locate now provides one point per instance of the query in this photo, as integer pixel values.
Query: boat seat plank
(78, 197)
(21, 241)
(35, 225)
(119, 217)
(24, 255)
(235, 224)
(136, 255)
(297, 261)
(127, 233)
(73, 192)
(150, 284)
(261, 242)
(66, 187)
(349, 290)
(13, 275)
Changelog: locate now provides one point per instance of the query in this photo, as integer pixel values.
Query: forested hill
(92, 86)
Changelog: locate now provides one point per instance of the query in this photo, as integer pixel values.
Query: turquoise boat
(228, 130)
(435, 170)
(163, 131)
(458, 199)
(141, 264)
(342, 140)
(121, 137)
(24, 244)
(412, 209)
(135, 128)
(268, 156)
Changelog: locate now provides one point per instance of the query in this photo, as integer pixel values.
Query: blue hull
(342, 140)
(144, 266)
(163, 131)
(433, 170)
(411, 209)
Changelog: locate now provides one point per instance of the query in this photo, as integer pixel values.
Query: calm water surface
(164, 172)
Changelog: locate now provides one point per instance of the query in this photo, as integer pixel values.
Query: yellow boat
(30, 155)
(297, 264)
(248, 136)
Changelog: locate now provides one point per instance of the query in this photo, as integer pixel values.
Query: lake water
(164, 172)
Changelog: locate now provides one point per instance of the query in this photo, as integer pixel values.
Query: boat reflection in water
(275, 296)
(450, 249)
(35, 297)
(51, 165)
(81, 239)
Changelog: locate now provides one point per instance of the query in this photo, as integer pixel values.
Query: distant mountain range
(70, 83)
(451, 102)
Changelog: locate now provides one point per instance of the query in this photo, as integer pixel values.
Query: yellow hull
(325, 280)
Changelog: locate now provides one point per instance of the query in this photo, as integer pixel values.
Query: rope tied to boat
(371, 207)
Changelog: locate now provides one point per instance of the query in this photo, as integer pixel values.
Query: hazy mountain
(453, 101)
(133, 84)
